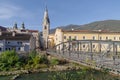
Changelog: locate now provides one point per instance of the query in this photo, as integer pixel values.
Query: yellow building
(51, 41)
(66, 35)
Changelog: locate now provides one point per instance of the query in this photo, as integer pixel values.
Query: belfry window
(45, 27)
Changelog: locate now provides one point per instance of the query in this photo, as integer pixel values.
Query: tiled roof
(18, 36)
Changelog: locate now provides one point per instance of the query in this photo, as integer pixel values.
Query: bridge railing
(90, 52)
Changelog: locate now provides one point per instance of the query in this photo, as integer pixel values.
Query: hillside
(110, 25)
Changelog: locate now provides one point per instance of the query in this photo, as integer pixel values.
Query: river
(89, 75)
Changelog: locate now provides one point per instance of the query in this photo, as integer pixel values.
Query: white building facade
(16, 41)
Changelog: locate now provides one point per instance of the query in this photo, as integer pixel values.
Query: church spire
(46, 28)
(46, 17)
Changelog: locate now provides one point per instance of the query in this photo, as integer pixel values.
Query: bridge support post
(69, 47)
(114, 53)
(63, 48)
(99, 47)
(78, 48)
(91, 52)
(116, 50)
(59, 49)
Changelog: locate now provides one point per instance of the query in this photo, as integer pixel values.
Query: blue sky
(61, 12)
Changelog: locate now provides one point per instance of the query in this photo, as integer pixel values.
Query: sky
(61, 12)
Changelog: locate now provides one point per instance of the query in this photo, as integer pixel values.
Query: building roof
(89, 31)
(17, 36)
(33, 31)
(2, 28)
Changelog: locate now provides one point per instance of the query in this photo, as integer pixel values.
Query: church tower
(46, 28)
(15, 26)
(23, 26)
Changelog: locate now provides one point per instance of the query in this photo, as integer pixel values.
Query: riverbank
(82, 74)
(66, 67)
(36, 63)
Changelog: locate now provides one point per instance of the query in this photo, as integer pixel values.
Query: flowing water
(46, 76)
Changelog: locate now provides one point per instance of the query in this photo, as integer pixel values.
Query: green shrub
(54, 61)
(44, 59)
(34, 59)
(8, 59)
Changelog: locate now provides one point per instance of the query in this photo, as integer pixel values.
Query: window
(75, 37)
(106, 38)
(93, 46)
(83, 46)
(8, 42)
(93, 37)
(69, 37)
(83, 37)
(100, 38)
(19, 42)
(114, 38)
(19, 48)
(45, 27)
(64, 37)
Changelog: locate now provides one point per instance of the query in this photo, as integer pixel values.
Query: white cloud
(8, 11)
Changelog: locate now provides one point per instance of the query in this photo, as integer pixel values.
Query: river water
(46, 76)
